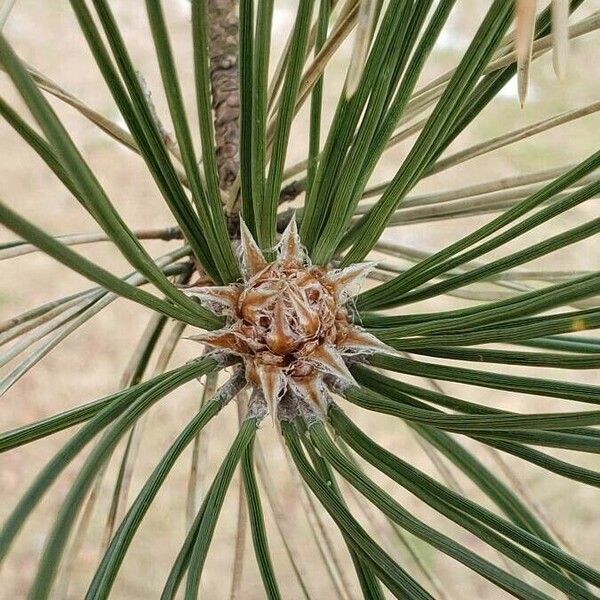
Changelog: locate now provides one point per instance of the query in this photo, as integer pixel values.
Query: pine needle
(560, 36)
(362, 40)
(525, 13)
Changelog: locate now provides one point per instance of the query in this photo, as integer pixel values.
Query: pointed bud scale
(356, 341)
(224, 339)
(311, 390)
(253, 260)
(290, 246)
(328, 360)
(221, 300)
(273, 383)
(346, 280)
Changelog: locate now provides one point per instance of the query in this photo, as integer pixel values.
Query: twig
(20, 248)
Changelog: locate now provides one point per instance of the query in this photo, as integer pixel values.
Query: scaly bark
(223, 36)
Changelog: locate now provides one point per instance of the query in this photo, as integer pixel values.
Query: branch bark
(223, 36)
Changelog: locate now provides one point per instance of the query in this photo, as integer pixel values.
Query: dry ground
(88, 364)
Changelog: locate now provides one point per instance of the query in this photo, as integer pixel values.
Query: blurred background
(89, 363)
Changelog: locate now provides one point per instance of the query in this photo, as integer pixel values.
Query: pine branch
(223, 36)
